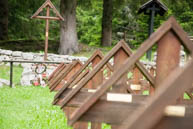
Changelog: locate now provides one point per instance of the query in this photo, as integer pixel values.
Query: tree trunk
(107, 23)
(68, 34)
(3, 19)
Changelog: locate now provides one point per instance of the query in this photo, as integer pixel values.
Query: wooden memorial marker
(167, 92)
(122, 49)
(78, 76)
(48, 5)
(59, 73)
(68, 73)
(120, 46)
(55, 72)
(93, 61)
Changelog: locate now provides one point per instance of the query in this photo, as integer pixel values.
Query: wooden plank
(73, 81)
(84, 93)
(63, 75)
(66, 91)
(95, 82)
(76, 65)
(96, 53)
(175, 123)
(168, 56)
(120, 45)
(59, 75)
(152, 90)
(119, 58)
(166, 94)
(115, 113)
(77, 125)
(141, 67)
(55, 71)
(156, 36)
(46, 17)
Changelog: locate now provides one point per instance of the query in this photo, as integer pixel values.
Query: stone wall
(18, 55)
(29, 75)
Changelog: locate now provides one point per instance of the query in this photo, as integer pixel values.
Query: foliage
(89, 23)
(21, 26)
(89, 15)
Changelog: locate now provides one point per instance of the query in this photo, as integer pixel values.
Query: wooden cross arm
(46, 17)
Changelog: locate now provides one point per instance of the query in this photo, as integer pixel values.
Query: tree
(68, 34)
(106, 39)
(3, 19)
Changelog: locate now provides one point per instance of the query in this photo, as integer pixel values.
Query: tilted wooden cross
(48, 4)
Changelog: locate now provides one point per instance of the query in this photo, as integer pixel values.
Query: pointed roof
(66, 72)
(48, 3)
(170, 25)
(97, 53)
(55, 71)
(120, 45)
(162, 8)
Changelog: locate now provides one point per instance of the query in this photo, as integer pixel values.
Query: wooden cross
(48, 4)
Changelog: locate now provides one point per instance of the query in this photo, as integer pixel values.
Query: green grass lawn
(29, 108)
(17, 72)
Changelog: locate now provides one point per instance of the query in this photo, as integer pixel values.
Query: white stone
(4, 57)
(27, 56)
(4, 82)
(83, 59)
(28, 65)
(27, 77)
(16, 53)
(39, 58)
(7, 52)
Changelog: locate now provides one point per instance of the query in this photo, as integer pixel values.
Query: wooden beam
(47, 17)
(156, 36)
(55, 71)
(73, 79)
(58, 76)
(167, 93)
(120, 45)
(67, 72)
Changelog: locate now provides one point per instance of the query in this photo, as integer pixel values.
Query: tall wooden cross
(48, 4)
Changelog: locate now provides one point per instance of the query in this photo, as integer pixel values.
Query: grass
(17, 72)
(29, 108)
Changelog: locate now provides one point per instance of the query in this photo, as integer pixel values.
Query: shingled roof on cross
(158, 5)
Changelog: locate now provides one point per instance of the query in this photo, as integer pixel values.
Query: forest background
(89, 15)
